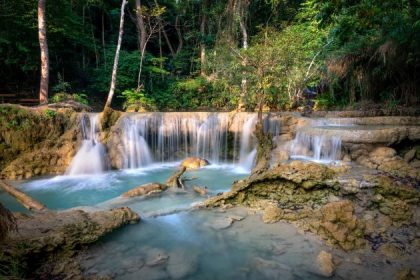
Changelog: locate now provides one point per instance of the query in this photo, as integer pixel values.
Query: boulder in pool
(194, 162)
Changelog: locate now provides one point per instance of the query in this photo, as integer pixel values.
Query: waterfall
(163, 137)
(247, 150)
(90, 159)
(137, 152)
(315, 147)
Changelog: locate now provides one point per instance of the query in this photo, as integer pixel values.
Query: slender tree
(117, 57)
(42, 35)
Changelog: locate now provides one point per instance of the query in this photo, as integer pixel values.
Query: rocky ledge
(350, 206)
(46, 242)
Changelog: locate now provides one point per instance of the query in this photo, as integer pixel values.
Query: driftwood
(24, 199)
(175, 180)
(145, 190)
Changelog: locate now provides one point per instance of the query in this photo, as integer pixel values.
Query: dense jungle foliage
(217, 54)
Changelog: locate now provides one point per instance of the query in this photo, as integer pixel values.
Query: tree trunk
(242, 24)
(24, 199)
(103, 38)
(168, 42)
(117, 57)
(178, 32)
(141, 28)
(175, 180)
(42, 34)
(202, 33)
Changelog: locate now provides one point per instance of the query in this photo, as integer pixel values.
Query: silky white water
(163, 137)
(90, 158)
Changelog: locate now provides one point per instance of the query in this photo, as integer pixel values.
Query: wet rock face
(47, 240)
(194, 162)
(36, 142)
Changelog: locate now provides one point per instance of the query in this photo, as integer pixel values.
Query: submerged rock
(182, 262)
(201, 190)
(194, 162)
(326, 264)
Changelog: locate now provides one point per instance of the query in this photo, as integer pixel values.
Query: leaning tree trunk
(24, 199)
(265, 141)
(42, 36)
(117, 57)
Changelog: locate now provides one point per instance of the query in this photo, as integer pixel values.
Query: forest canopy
(216, 54)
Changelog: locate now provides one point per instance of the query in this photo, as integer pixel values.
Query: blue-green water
(175, 241)
(63, 192)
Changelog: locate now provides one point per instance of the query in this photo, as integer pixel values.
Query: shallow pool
(63, 192)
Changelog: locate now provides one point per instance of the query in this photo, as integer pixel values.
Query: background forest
(217, 54)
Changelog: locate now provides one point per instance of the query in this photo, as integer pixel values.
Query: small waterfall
(212, 138)
(247, 150)
(137, 152)
(90, 159)
(316, 147)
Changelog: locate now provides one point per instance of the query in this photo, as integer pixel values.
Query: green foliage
(50, 114)
(63, 96)
(360, 50)
(136, 100)
(61, 85)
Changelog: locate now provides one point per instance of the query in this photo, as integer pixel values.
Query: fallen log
(27, 201)
(175, 180)
(145, 190)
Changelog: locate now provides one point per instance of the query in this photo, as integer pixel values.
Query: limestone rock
(201, 190)
(326, 264)
(47, 235)
(194, 162)
(145, 190)
(272, 214)
(291, 183)
(390, 250)
(385, 159)
(407, 274)
(410, 155)
(340, 226)
(383, 152)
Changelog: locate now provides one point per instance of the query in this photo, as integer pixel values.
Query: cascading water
(137, 152)
(90, 159)
(163, 137)
(247, 150)
(315, 147)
